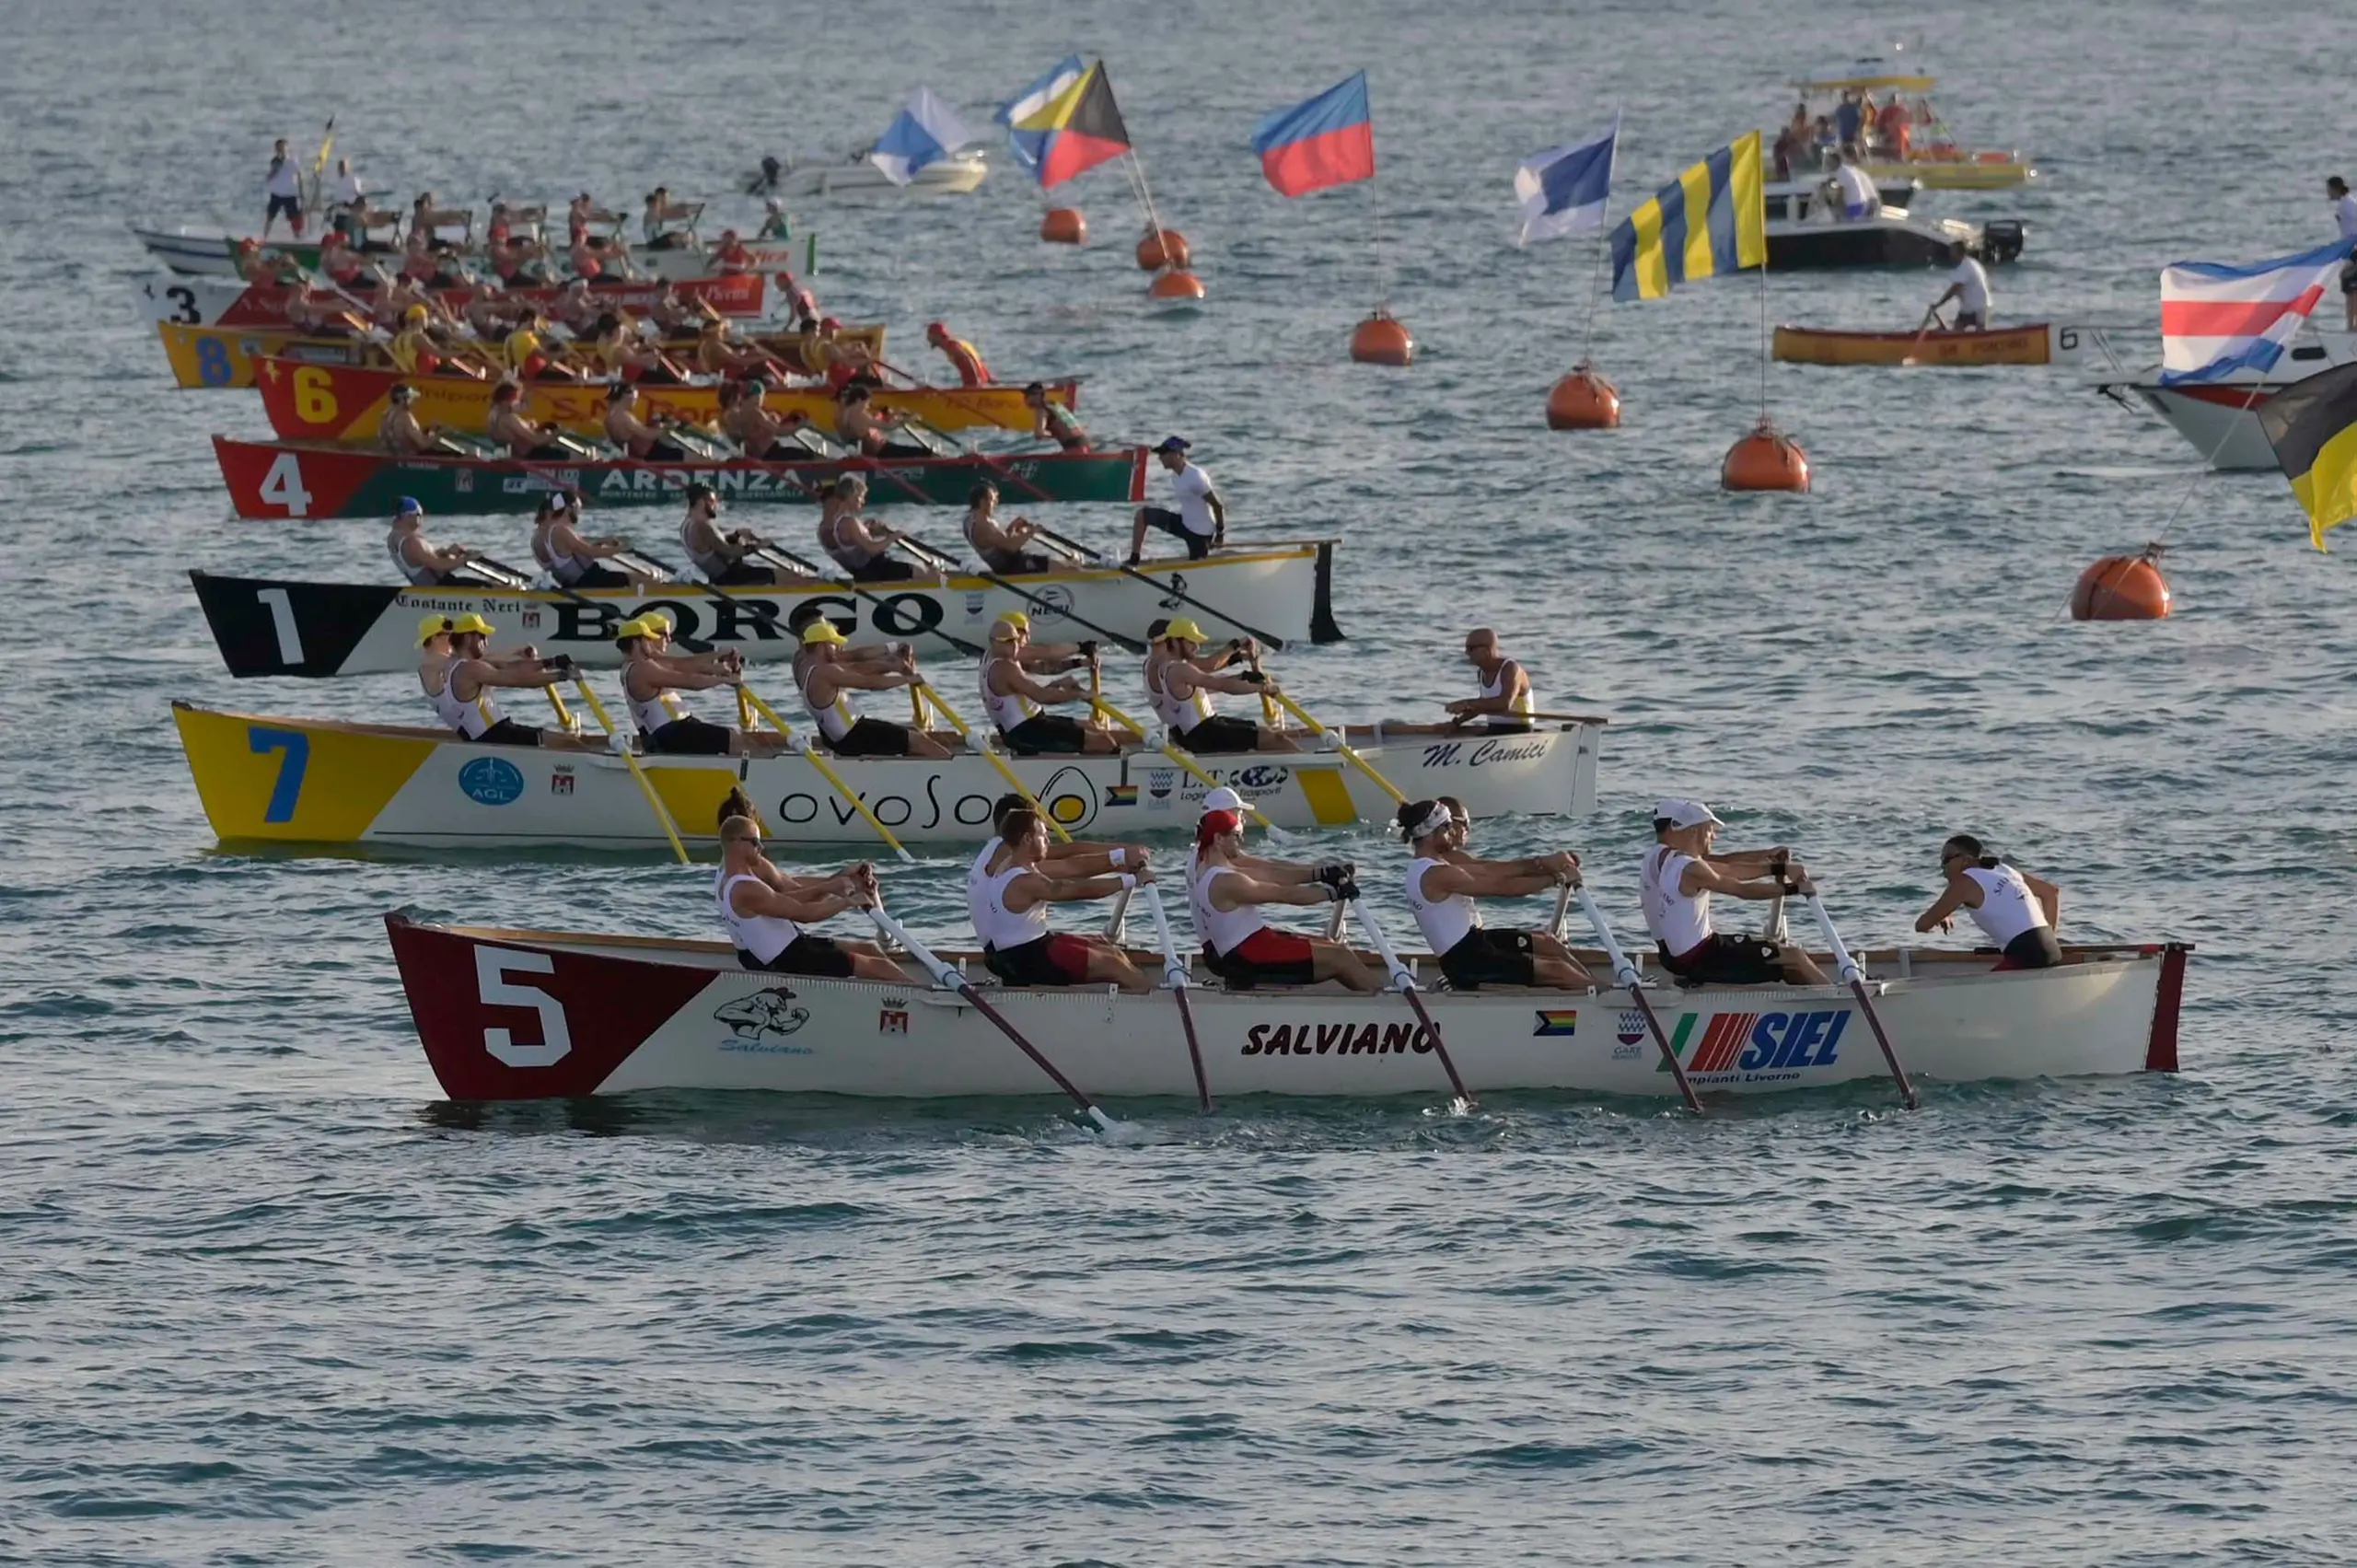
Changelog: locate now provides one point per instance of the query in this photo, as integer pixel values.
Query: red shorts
(1269, 946)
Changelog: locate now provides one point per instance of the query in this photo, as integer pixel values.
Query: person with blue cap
(422, 563)
(1202, 517)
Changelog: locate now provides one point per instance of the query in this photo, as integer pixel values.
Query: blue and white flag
(924, 131)
(1027, 146)
(1562, 190)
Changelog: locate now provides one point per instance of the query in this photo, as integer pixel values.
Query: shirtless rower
(461, 690)
(420, 561)
(1239, 945)
(858, 426)
(1000, 545)
(674, 312)
(1013, 697)
(759, 433)
(843, 362)
(1442, 885)
(719, 353)
(401, 435)
(2014, 910)
(1009, 890)
(651, 673)
(636, 436)
(765, 921)
(862, 546)
(656, 220)
(1675, 880)
(524, 437)
(722, 557)
(576, 559)
(963, 358)
(616, 351)
(823, 671)
(1179, 683)
(1054, 422)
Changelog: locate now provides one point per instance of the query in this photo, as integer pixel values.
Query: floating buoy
(1583, 400)
(1765, 459)
(1381, 339)
(1177, 284)
(1063, 226)
(1162, 248)
(2122, 587)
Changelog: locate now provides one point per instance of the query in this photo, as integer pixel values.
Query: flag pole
(1146, 199)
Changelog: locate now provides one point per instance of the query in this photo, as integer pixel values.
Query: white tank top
(831, 539)
(1224, 930)
(834, 720)
(2007, 906)
(414, 574)
(1176, 717)
(1005, 711)
(997, 925)
(1679, 922)
(1495, 686)
(763, 936)
(469, 719)
(566, 569)
(651, 713)
(711, 567)
(1446, 921)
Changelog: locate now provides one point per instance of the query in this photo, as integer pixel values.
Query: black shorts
(1725, 959)
(597, 577)
(2349, 275)
(1168, 521)
(1021, 560)
(689, 736)
(820, 956)
(287, 208)
(1971, 320)
(1047, 732)
(1221, 732)
(2033, 950)
(508, 732)
(547, 451)
(1490, 957)
(883, 569)
(872, 738)
(742, 572)
(665, 452)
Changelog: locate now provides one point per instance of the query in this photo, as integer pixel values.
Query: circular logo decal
(492, 781)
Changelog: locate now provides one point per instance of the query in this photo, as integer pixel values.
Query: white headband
(1439, 818)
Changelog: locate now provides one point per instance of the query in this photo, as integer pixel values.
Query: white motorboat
(1807, 231)
(2219, 418)
(953, 176)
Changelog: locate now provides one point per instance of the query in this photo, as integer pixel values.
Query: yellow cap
(431, 626)
(1012, 620)
(1184, 631)
(414, 316)
(657, 622)
(469, 621)
(822, 631)
(635, 627)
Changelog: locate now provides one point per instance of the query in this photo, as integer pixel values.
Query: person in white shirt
(2344, 212)
(1968, 286)
(1202, 517)
(765, 912)
(283, 186)
(1442, 884)
(2014, 910)
(1859, 197)
(1008, 889)
(1675, 880)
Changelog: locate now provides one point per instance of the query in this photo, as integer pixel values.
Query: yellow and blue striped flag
(1712, 219)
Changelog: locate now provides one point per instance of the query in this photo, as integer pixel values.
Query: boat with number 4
(537, 1015)
(327, 781)
(2037, 343)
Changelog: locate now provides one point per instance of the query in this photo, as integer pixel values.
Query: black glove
(1253, 677)
(1089, 648)
(1345, 890)
(559, 661)
(1334, 873)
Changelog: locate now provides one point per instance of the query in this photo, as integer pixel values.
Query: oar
(993, 758)
(1171, 751)
(950, 980)
(1405, 984)
(1103, 562)
(1624, 974)
(851, 586)
(630, 760)
(1855, 978)
(940, 563)
(1175, 976)
(1931, 319)
(1267, 703)
(694, 644)
(1344, 746)
(827, 771)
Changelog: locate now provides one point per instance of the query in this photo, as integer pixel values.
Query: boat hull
(1967, 171)
(1280, 591)
(264, 778)
(2034, 344)
(195, 252)
(513, 1016)
(949, 177)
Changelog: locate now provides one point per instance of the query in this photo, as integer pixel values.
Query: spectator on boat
(764, 911)
(461, 693)
(862, 546)
(963, 356)
(283, 186)
(1240, 946)
(1442, 886)
(523, 437)
(638, 437)
(401, 435)
(1786, 153)
(1009, 890)
(572, 558)
(652, 674)
(1000, 545)
(860, 427)
(420, 561)
(1013, 697)
(1846, 118)
(1054, 422)
(823, 671)
(2344, 212)
(2014, 910)
(1675, 882)
(1898, 135)
(1179, 683)
(1202, 517)
(1852, 189)
(1968, 286)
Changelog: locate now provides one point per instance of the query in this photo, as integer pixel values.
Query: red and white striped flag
(2216, 320)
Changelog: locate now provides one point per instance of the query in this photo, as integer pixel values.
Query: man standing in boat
(1968, 286)
(2344, 214)
(1675, 880)
(765, 922)
(283, 186)
(1856, 193)
(1244, 948)
(964, 358)
(1442, 883)
(1008, 893)
(2014, 910)
(1179, 683)
(1202, 517)
(1013, 697)
(823, 671)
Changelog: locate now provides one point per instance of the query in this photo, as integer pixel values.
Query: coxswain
(823, 671)
(1013, 696)
(774, 223)
(1001, 544)
(1442, 885)
(283, 186)
(759, 433)
(401, 435)
(1240, 946)
(1504, 703)
(523, 437)
(764, 912)
(1202, 517)
(2014, 910)
(1675, 881)
(862, 546)
(963, 358)
(1968, 286)
(723, 555)
(420, 561)
(858, 426)
(461, 691)
(651, 673)
(348, 196)
(1179, 683)
(731, 255)
(1009, 890)
(641, 438)
(1053, 421)
(573, 559)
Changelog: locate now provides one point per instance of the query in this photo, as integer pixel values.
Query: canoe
(306, 479)
(213, 252)
(232, 302)
(342, 403)
(1279, 590)
(326, 781)
(2035, 342)
(508, 1014)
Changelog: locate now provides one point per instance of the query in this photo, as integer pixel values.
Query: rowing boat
(307, 479)
(327, 781)
(2031, 343)
(508, 1014)
(232, 302)
(213, 252)
(953, 176)
(342, 403)
(1280, 591)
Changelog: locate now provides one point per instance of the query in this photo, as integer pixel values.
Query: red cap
(1213, 824)
(936, 329)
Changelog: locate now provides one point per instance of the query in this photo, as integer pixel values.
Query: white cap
(1682, 813)
(1223, 799)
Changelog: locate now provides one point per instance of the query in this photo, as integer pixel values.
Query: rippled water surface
(264, 1299)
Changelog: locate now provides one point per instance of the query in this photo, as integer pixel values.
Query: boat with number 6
(2035, 342)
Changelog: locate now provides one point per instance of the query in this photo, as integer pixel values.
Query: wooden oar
(1931, 319)
(1344, 746)
(1171, 751)
(1855, 979)
(630, 760)
(826, 770)
(1175, 977)
(950, 980)
(993, 758)
(1171, 590)
(1624, 974)
(1405, 984)
(934, 558)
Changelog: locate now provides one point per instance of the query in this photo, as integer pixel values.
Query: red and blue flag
(1327, 141)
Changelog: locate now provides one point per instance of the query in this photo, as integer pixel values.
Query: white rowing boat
(526, 1014)
(954, 176)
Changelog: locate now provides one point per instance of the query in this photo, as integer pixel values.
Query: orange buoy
(1162, 248)
(2122, 587)
(1063, 226)
(1381, 339)
(1765, 459)
(1177, 284)
(1583, 400)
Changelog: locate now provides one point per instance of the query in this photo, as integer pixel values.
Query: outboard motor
(2001, 239)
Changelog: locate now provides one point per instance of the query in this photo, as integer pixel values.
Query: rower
(765, 922)
(1238, 945)
(422, 563)
(2014, 910)
(531, 354)
(1675, 880)
(1442, 886)
(858, 426)
(1968, 286)
(860, 545)
(801, 306)
(523, 437)
(635, 435)
(1013, 698)
(759, 433)
(1504, 702)
(344, 266)
(651, 673)
(963, 358)
(401, 435)
(573, 559)
(719, 353)
(1054, 422)
(461, 690)
(1202, 517)
(675, 312)
(1856, 192)
(730, 256)
(413, 349)
(823, 671)
(660, 211)
(576, 310)
(1000, 545)
(490, 313)
(616, 351)
(1008, 889)
(843, 361)
(1179, 683)
(774, 222)
(722, 557)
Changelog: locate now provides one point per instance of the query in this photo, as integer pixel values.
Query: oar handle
(1846, 966)
(1624, 974)
(1174, 969)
